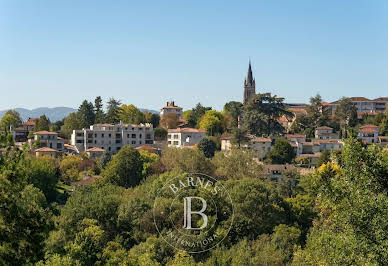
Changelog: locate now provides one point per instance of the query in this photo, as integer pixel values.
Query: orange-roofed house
(49, 139)
(45, 151)
(171, 108)
(95, 152)
(181, 137)
(148, 148)
(369, 134)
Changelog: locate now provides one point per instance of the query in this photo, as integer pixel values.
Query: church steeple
(249, 85)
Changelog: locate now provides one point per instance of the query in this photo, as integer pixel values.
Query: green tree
(99, 111)
(352, 214)
(72, 122)
(43, 123)
(344, 115)
(87, 115)
(68, 168)
(239, 137)
(262, 113)
(198, 111)
(43, 174)
(129, 114)
(10, 119)
(236, 164)
(213, 122)
(125, 168)
(186, 160)
(160, 133)
(207, 146)
(235, 111)
(282, 152)
(190, 118)
(113, 111)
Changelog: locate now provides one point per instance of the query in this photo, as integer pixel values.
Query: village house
(369, 134)
(181, 137)
(94, 152)
(21, 133)
(325, 132)
(171, 108)
(45, 151)
(48, 139)
(112, 137)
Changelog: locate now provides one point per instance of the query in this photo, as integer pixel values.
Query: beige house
(48, 139)
(261, 146)
(112, 137)
(45, 151)
(171, 108)
(325, 133)
(95, 152)
(296, 137)
(182, 137)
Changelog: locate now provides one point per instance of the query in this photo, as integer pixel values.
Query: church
(249, 85)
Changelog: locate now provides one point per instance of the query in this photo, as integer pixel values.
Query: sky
(58, 53)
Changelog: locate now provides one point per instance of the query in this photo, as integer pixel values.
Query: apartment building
(171, 108)
(363, 105)
(183, 137)
(112, 137)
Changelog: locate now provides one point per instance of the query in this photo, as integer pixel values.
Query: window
(118, 136)
(102, 135)
(90, 135)
(95, 141)
(140, 136)
(134, 136)
(110, 135)
(109, 148)
(139, 142)
(79, 141)
(133, 141)
(118, 141)
(59, 145)
(169, 136)
(127, 135)
(169, 142)
(176, 142)
(95, 135)
(148, 136)
(176, 136)
(80, 134)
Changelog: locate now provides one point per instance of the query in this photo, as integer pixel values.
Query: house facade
(325, 133)
(369, 134)
(182, 137)
(171, 108)
(49, 139)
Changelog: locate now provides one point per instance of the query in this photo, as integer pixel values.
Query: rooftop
(45, 132)
(45, 149)
(186, 130)
(95, 149)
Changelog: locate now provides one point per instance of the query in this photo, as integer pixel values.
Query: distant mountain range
(54, 114)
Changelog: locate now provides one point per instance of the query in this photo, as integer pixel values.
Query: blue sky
(57, 53)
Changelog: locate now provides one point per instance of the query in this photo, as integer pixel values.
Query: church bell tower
(249, 85)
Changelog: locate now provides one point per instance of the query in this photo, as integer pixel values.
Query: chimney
(173, 104)
(166, 103)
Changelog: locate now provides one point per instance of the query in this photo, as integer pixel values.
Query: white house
(112, 137)
(369, 134)
(171, 108)
(325, 133)
(181, 137)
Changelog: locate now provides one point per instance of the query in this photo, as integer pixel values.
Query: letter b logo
(188, 212)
